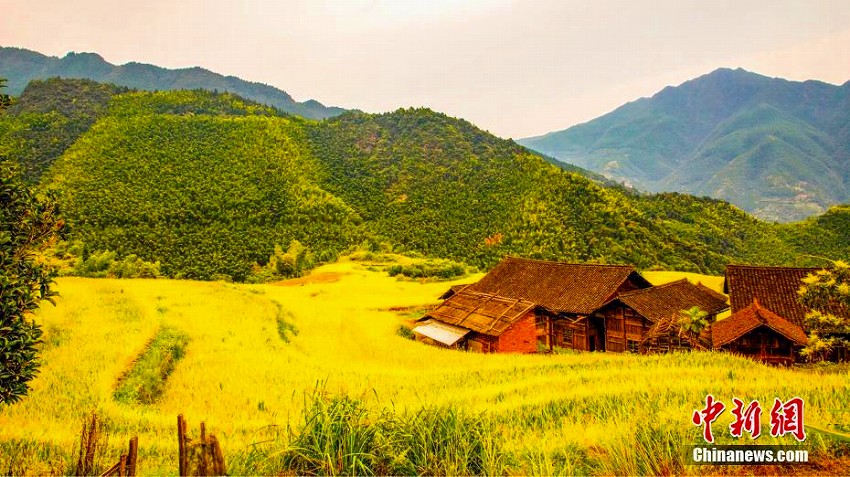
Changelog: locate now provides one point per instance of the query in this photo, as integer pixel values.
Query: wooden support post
(219, 468)
(181, 444)
(122, 465)
(132, 456)
(204, 447)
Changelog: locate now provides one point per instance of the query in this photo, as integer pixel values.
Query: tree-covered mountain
(208, 184)
(776, 148)
(48, 117)
(20, 66)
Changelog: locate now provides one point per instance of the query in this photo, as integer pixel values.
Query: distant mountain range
(20, 66)
(776, 148)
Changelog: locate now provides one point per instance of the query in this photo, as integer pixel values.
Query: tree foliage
(5, 100)
(206, 193)
(692, 321)
(827, 294)
(27, 222)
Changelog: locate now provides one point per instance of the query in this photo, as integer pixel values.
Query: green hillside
(207, 194)
(20, 66)
(48, 117)
(208, 184)
(776, 148)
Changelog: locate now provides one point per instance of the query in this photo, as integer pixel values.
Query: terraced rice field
(246, 375)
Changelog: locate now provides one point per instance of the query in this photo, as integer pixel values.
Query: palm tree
(691, 322)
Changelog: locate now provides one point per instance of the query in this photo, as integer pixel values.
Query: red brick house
(482, 322)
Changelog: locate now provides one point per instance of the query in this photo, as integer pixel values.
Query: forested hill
(50, 116)
(779, 149)
(209, 183)
(20, 66)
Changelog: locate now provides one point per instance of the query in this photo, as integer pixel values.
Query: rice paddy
(254, 357)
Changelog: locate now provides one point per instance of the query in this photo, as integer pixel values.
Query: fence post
(133, 456)
(203, 449)
(181, 443)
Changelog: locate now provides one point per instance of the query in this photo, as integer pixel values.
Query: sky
(516, 68)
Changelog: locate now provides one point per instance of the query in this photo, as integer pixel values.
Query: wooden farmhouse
(523, 305)
(651, 316)
(761, 334)
(531, 305)
(759, 293)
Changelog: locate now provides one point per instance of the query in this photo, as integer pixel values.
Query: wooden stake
(181, 444)
(133, 456)
(204, 447)
(219, 468)
(122, 465)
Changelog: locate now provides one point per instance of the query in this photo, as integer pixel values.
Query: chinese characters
(785, 418)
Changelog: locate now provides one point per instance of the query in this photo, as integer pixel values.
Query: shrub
(441, 269)
(405, 332)
(293, 263)
(133, 267)
(102, 264)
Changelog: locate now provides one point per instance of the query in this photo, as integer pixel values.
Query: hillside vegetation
(205, 190)
(47, 118)
(776, 148)
(208, 184)
(544, 414)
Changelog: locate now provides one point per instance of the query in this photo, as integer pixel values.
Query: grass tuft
(144, 382)
(285, 328)
(339, 435)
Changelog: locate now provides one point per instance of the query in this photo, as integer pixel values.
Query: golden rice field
(244, 381)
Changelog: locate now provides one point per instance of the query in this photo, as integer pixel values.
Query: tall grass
(649, 449)
(339, 435)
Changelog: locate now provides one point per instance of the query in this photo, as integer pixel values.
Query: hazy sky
(515, 68)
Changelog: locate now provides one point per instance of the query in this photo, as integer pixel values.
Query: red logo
(708, 415)
(785, 418)
(748, 419)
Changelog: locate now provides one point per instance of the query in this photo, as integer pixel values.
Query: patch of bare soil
(321, 277)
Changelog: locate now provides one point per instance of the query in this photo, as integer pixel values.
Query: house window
(540, 321)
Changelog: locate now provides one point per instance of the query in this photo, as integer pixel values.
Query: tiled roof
(713, 293)
(562, 287)
(738, 324)
(775, 288)
(487, 314)
(664, 301)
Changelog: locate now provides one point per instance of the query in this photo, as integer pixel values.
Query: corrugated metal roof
(442, 332)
